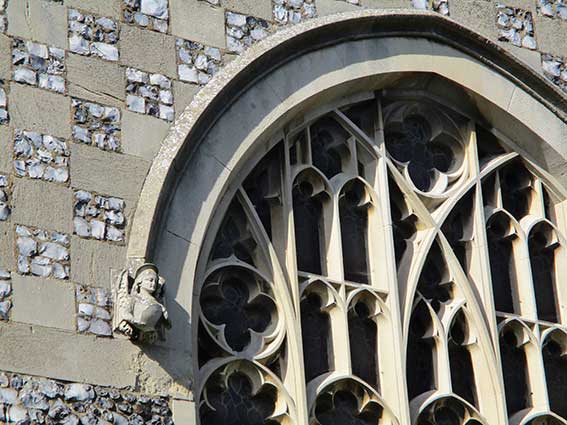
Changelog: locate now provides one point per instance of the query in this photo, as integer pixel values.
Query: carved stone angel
(141, 315)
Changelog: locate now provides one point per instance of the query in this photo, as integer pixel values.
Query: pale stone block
(39, 110)
(95, 79)
(56, 354)
(385, 4)
(329, 7)
(42, 21)
(531, 58)
(197, 21)
(92, 261)
(258, 8)
(40, 204)
(7, 256)
(183, 94)
(551, 35)
(5, 57)
(184, 412)
(110, 8)
(44, 302)
(148, 50)
(476, 14)
(5, 150)
(142, 135)
(108, 173)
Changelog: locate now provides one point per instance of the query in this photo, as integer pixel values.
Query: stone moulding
(210, 103)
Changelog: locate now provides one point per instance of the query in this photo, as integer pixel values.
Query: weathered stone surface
(45, 22)
(43, 205)
(7, 253)
(5, 149)
(91, 168)
(475, 14)
(148, 50)
(44, 302)
(110, 8)
(5, 57)
(95, 79)
(258, 8)
(197, 21)
(551, 35)
(329, 7)
(39, 110)
(92, 261)
(183, 94)
(142, 135)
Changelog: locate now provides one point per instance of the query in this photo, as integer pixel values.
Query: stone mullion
(392, 364)
(480, 260)
(480, 268)
(295, 379)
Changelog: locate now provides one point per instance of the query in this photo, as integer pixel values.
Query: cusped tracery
(387, 261)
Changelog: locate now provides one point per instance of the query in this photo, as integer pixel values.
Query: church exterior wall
(59, 263)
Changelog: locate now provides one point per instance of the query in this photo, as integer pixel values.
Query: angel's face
(148, 280)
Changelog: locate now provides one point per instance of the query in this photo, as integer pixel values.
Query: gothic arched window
(385, 262)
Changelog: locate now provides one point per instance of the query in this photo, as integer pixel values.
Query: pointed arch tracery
(393, 218)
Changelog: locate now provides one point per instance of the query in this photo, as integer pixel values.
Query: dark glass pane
(363, 116)
(403, 222)
(516, 184)
(434, 283)
(420, 354)
(234, 403)
(263, 186)
(308, 221)
(234, 238)
(316, 335)
(458, 229)
(353, 211)
(462, 371)
(208, 348)
(489, 192)
(342, 408)
(501, 261)
(328, 146)
(487, 144)
(514, 365)
(363, 343)
(555, 363)
(542, 260)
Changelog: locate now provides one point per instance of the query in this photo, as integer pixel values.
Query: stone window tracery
(386, 262)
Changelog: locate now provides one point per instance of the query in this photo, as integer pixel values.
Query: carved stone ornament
(141, 314)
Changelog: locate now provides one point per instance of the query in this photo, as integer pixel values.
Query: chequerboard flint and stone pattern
(553, 8)
(555, 69)
(33, 400)
(242, 31)
(38, 65)
(94, 310)
(149, 94)
(4, 198)
(96, 125)
(5, 294)
(294, 11)
(92, 35)
(42, 253)
(99, 217)
(150, 14)
(516, 26)
(197, 63)
(40, 156)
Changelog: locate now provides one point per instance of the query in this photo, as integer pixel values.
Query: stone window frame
(431, 209)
